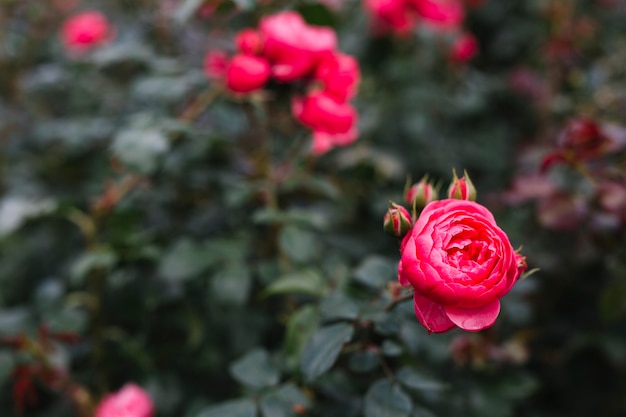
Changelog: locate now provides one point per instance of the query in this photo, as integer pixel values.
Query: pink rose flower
(333, 122)
(292, 46)
(247, 73)
(464, 49)
(340, 75)
(444, 15)
(460, 264)
(130, 401)
(85, 31)
(391, 15)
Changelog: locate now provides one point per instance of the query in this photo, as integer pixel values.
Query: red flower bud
(397, 221)
(420, 194)
(246, 73)
(86, 31)
(462, 188)
(249, 42)
(463, 49)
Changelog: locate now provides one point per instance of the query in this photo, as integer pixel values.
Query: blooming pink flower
(460, 264)
(249, 42)
(246, 73)
(130, 401)
(340, 75)
(463, 49)
(292, 46)
(85, 31)
(391, 15)
(444, 15)
(333, 122)
(215, 64)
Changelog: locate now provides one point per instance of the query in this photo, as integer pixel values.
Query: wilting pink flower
(130, 401)
(340, 75)
(215, 64)
(464, 48)
(247, 73)
(460, 264)
(85, 31)
(442, 15)
(391, 15)
(249, 42)
(333, 122)
(292, 46)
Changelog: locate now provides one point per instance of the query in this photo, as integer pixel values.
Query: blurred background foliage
(153, 231)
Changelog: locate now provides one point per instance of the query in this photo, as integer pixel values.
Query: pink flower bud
(215, 64)
(464, 49)
(85, 31)
(130, 401)
(247, 73)
(249, 42)
(462, 188)
(420, 194)
(397, 221)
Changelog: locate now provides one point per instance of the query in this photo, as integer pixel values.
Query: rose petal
(431, 315)
(474, 319)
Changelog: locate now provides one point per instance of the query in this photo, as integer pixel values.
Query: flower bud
(249, 42)
(420, 194)
(397, 221)
(462, 188)
(247, 73)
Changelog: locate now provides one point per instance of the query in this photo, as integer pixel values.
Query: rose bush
(460, 264)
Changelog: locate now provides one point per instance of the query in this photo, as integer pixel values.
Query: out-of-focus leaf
(255, 370)
(418, 381)
(140, 149)
(390, 348)
(338, 306)
(300, 328)
(307, 281)
(283, 402)
(299, 244)
(386, 399)
(238, 408)
(6, 366)
(231, 285)
(363, 361)
(100, 259)
(375, 271)
(14, 321)
(323, 349)
(184, 260)
(14, 211)
(187, 9)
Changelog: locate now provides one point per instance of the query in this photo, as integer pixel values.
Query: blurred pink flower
(444, 15)
(464, 49)
(130, 401)
(85, 31)
(340, 75)
(247, 73)
(215, 64)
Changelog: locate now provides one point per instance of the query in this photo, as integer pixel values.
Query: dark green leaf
(237, 408)
(255, 370)
(140, 149)
(363, 361)
(386, 399)
(183, 260)
(231, 285)
(418, 381)
(300, 328)
(303, 282)
(323, 349)
(299, 244)
(338, 306)
(375, 271)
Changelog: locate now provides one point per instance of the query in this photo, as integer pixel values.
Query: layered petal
(431, 315)
(474, 319)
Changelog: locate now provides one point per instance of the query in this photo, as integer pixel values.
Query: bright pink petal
(474, 319)
(431, 315)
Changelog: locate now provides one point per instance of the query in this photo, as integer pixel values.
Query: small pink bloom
(333, 122)
(464, 49)
(340, 75)
(215, 64)
(391, 15)
(444, 15)
(247, 73)
(397, 221)
(249, 42)
(85, 31)
(130, 401)
(292, 46)
(460, 264)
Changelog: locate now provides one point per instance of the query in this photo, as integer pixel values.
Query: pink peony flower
(460, 264)
(130, 401)
(391, 15)
(340, 75)
(249, 42)
(85, 31)
(443, 15)
(292, 46)
(215, 64)
(247, 73)
(333, 122)
(464, 49)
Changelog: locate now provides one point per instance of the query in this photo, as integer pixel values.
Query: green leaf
(303, 282)
(237, 408)
(363, 361)
(255, 370)
(140, 149)
(386, 399)
(231, 285)
(323, 349)
(391, 348)
(338, 306)
(281, 402)
(300, 327)
(299, 244)
(184, 260)
(410, 378)
(99, 259)
(6, 366)
(375, 272)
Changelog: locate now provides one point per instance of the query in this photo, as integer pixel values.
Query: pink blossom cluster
(85, 31)
(285, 49)
(400, 17)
